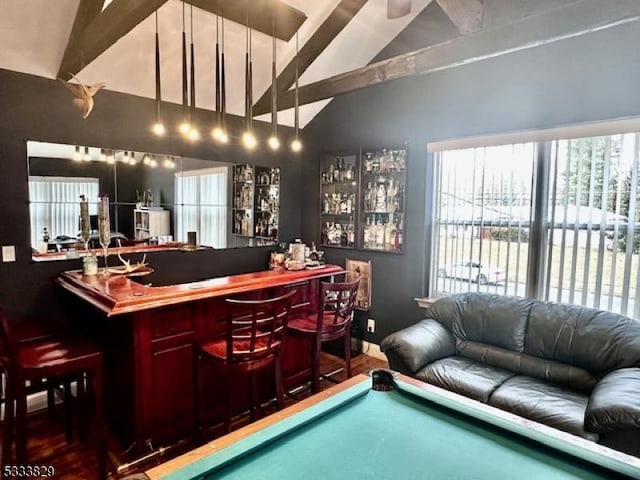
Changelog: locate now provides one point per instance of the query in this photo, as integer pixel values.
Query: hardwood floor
(76, 460)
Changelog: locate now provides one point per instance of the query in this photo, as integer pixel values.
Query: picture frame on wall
(362, 269)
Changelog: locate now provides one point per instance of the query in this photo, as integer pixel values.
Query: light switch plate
(8, 253)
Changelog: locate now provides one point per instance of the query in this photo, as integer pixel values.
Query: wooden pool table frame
(551, 437)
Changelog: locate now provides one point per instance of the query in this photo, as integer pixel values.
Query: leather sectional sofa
(569, 367)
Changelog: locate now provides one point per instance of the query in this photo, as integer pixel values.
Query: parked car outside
(473, 271)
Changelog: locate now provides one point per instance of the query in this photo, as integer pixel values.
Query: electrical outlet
(8, 253)
(371, 325)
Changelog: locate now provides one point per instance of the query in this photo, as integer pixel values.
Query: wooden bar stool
(45, 358)
(254, 337)
(331, 321)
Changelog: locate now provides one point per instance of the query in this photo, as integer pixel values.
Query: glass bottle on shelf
(338, 199)
(383, 180)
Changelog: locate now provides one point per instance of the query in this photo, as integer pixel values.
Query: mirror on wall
(155, 201)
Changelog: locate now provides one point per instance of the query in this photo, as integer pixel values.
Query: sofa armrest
(615, 402)
(413, 347)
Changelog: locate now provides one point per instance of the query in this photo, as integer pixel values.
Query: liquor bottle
(330, 173)
(381, 195)
(351, 233)
(366, 233)
(379, 235)
(399, 236)
(326, 204)
(313, 254)
(325, 234)
(336, 171)
(398, 201)
(344, 237)
(391, 195)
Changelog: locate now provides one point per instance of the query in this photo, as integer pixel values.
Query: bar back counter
(148, 334)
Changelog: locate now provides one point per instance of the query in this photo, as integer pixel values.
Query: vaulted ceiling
(343, 44)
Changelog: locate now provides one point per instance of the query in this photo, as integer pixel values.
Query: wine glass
(104, 230)
(85, 232)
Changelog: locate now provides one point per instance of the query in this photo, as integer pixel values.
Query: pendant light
(194, 134)
(184, 126)
(248, 138)
(274, 143)
(296, 145)
(158, 126)
(218, 133)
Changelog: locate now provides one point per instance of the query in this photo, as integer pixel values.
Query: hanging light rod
(158, 126)
(185, 126)
(274, 143)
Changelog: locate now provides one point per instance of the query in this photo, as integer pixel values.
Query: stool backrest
(337, 301)
(256, 328)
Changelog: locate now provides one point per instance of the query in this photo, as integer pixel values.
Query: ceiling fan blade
(398, 8)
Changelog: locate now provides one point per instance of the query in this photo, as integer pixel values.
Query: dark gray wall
(35, 108)
(590, 78)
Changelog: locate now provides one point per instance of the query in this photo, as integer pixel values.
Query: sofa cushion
(479, 317)
(591, 339)
(464, 376)
(553, 372)
(544, 403)
(615, 403)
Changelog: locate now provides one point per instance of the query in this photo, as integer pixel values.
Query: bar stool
(331, 321)
(45, 358)
(254, 337)
(33, 330)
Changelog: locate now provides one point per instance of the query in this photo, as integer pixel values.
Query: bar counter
(117, 294)
(153, 377)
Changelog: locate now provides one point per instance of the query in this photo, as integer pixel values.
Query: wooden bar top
(117, 294)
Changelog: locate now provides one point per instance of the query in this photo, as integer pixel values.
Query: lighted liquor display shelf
(339, 199)
(256, 201)
(362, 199)
(383, 179)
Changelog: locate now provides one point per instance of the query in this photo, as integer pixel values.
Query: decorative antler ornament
(128, 268)
(83, 94)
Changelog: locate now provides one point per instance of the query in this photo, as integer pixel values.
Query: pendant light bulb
(158, 129)
(194, 134)
(296, 145)
(249, 140)
(274, 143)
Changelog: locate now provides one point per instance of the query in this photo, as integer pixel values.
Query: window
(556, 219)
(201, 198)
(54, 204)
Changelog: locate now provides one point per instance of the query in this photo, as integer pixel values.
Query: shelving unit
(256, 202)
(383, 180)
(243, 186)
(150, 223)
(362, 199)
(339, 199)
(267, 203)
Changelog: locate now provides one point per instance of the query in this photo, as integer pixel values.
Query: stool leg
(347, 351)
(82, 406)
(7, 434)
(315, 364)
(21, 423)
(279, 382)
(68, 410)
(229, 413)
(51, 399)
(101, 450)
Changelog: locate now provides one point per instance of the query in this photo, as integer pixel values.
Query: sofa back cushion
(494, 319)
(551, 371)
(591, 339)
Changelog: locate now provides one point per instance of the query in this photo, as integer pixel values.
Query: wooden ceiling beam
(581, 18)
(466, 15)
(323, 36)
(86, 13)
(261, 12)
(105, 29)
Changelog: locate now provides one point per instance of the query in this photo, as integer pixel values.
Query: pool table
(411, 431)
